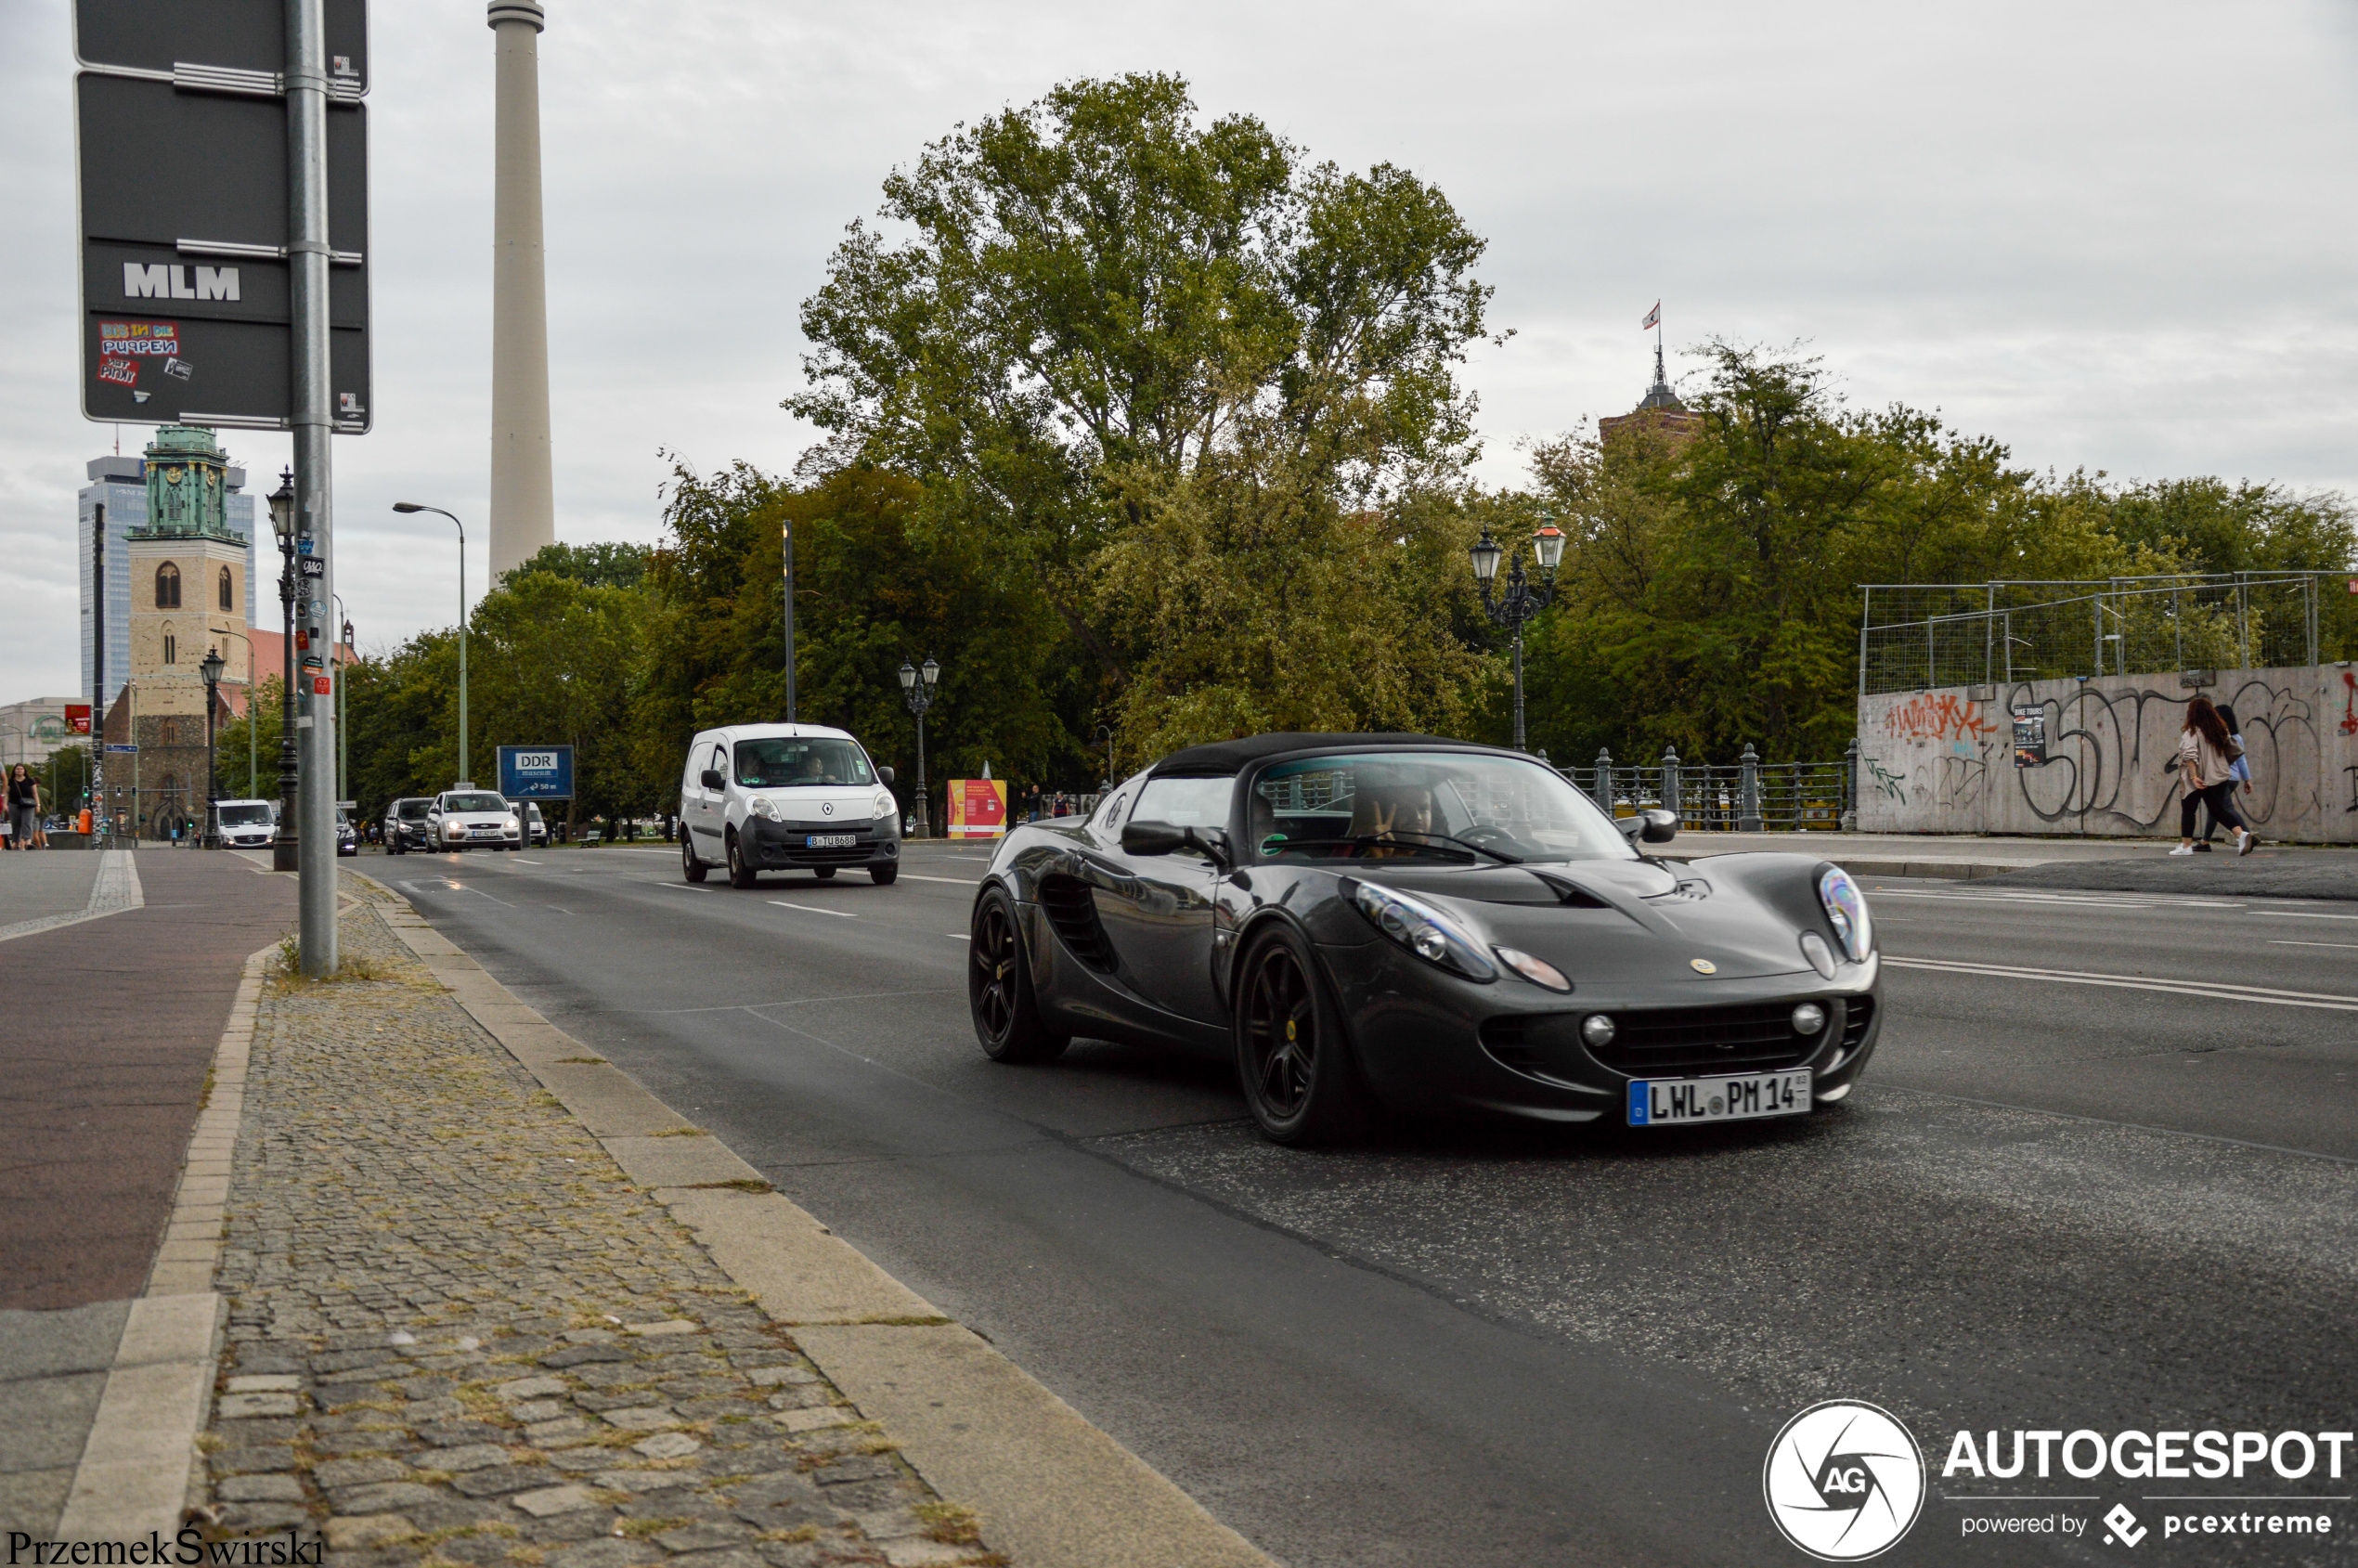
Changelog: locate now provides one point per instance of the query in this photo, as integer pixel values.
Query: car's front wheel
(884, 874)
(824, 872)
(999, 993)
(1291, 1057)
(740, 873)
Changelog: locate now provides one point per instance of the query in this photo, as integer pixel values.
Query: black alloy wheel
(999, 993)
(740, 873)
(1291, 1059)
(824, 872)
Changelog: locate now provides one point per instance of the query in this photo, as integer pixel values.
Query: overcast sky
(2116, 236)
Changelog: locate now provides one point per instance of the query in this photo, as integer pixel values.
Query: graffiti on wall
(1939, 764)
(1937, 716)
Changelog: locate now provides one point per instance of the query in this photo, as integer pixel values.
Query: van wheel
(740, 873)
(822, 872)
(884, 874)
(690, 867)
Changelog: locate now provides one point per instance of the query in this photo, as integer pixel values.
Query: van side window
(719, 761)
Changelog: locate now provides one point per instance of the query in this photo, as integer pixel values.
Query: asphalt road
(2102, 1174)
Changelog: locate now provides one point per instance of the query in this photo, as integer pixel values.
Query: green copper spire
(188, 487)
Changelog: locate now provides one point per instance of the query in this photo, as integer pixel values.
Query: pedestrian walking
(24, 807)
(2241, 768)
(2207, 756)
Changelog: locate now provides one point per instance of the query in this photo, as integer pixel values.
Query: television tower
(523, 508)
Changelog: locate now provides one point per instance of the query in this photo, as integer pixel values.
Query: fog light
(1809, 1019)
(1597, 1029)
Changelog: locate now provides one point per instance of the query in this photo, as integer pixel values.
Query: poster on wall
(2030, 737)
(978, 808)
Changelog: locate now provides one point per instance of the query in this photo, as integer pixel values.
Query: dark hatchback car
(405, 826)
(1423, 923)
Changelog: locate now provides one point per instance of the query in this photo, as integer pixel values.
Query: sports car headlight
(765, 807)
(1424, 931)
(1539, 971)
(1846, 907)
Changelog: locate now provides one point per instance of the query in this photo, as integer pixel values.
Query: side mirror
(712, 779)
(1653, 825)
(1152, 838)
(883, 775)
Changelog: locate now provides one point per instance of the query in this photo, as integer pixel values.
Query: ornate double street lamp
(918, 694)
(211, 670)
(1523, 599)
(285, 843)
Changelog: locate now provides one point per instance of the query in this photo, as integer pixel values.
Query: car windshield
(784, 762)
(473, 803)
(1443, 805)
(412, 810)
(256, 815)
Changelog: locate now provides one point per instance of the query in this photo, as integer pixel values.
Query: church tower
(187, 574)
(1659, 408)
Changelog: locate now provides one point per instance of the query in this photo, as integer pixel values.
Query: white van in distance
(756, 797)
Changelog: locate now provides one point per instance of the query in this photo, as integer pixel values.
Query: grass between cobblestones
(458, 1334)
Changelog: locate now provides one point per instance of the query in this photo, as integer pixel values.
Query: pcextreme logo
(1845, 1481)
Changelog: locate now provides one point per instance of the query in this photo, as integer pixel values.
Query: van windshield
(786, 762)
(256, 815)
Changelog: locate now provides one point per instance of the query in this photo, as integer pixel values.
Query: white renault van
(756, 797)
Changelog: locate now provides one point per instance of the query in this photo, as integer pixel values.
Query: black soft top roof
(1230, 757)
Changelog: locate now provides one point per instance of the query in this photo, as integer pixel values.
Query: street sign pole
(98, 813)
(308, 257)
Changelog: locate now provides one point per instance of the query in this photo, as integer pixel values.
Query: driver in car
(1378, 814)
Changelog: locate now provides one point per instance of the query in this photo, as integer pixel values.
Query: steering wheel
(1485, 834)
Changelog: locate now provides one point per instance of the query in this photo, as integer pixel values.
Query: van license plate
(831, 841)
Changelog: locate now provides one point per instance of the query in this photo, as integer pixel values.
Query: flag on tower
(1654, 318)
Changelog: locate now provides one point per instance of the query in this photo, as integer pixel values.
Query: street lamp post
(286, 844)
(916, 689)
(1523, 599)
(211, 670)
(415, 506)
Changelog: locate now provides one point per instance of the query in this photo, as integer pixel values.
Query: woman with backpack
(2207, 757)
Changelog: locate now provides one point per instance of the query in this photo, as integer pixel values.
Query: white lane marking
(2302, 914)
(954, 881)
(2133, 901)
(2287, 941)
(520, 860)
(683, 887)
(2215, 991)
(958, 936)
(814, 909)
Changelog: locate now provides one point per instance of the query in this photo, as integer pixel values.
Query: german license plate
(1663, 1102)
(831, 841)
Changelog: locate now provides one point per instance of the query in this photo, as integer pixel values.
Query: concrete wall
(1943, 760)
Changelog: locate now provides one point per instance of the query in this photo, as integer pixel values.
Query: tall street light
(211, 670)
(916, 689)
(1523, 599)
(285, 846)
(414, 506)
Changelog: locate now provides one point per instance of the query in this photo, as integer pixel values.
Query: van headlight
(1846, 910)
(882, 808)
(763, 807)
(1423, 930)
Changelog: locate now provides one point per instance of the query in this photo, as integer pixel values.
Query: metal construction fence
(1914, 636)
(1747, 796)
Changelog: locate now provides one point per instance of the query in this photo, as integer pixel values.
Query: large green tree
(1098, 290)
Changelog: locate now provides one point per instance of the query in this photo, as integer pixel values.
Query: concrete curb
(1946, 870)
(140, 1466)
(1052, 1490)
(114, 890)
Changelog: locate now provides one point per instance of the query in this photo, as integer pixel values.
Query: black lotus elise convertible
(1423, 923)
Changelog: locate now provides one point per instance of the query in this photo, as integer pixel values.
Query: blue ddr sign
(535, 772)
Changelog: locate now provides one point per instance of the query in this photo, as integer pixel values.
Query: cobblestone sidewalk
(457, 1332)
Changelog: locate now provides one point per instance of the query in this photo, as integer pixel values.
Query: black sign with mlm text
(181, 150)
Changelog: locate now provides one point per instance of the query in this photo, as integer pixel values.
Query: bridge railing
(1747, 796)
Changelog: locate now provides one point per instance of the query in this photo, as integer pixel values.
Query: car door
(705, 807)
(1157, 909)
